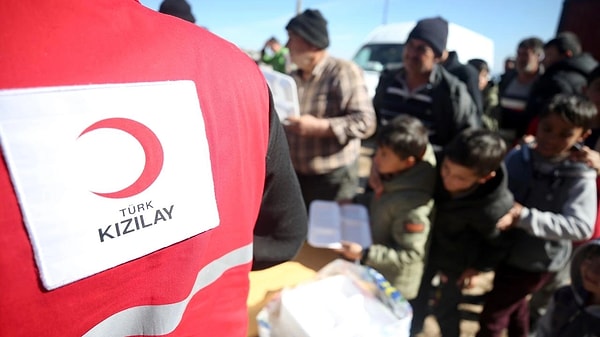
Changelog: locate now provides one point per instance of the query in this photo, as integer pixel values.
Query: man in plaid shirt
(335, 113)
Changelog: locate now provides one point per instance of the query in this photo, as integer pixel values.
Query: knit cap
(434, 31)
(178, 8)
(312, 27)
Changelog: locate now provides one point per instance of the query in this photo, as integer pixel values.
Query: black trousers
(339, 184)
(441, 301)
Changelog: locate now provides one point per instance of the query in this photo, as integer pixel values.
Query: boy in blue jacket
(555, 204)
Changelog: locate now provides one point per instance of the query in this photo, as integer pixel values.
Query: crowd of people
(469, 175)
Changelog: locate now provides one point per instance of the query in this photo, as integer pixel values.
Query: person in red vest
(143, 174)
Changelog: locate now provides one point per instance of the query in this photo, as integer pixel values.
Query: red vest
(170, 291)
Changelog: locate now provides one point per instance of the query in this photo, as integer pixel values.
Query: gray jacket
(559, 200)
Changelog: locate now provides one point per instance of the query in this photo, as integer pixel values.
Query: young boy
(471, 196)
(400, 215)
(555, 204)
(588, 154)
(575, 309)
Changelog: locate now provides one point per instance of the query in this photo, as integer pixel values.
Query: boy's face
(555, 136)
(458, 178)
(590, 274)
(387, 161)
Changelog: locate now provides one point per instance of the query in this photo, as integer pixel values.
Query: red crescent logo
(152, 150)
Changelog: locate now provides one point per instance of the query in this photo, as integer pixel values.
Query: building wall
(582, 18)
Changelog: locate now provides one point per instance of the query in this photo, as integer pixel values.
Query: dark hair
(575, 109)
(532, 43)
(564, 42)
(592, 251)
(477, 149)
(273, 39)
(479, 64)
(406, 136)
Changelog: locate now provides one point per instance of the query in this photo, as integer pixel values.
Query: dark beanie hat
(311, 26)
(434, 31)
(178, 8)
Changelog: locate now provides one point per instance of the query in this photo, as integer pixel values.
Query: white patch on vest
(64, 176)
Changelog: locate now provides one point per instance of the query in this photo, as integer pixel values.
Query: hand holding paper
(330, 224)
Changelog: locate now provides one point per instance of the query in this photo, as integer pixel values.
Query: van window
(377, 57)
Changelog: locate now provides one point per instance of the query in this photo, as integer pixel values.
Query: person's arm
(588, 156)
(493, 245)
(282, 223)
(453, 108)
(358, 119)
(409, 226)
(467, 115)
(354, 118)
(264, 57)
(574, 222)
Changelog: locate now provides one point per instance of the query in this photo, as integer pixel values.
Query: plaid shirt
(336, 91)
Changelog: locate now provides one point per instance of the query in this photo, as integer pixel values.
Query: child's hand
(509, 219)
(526, 139)
(588, 156)
(467, 278)
(351, 250)
(505, 222)
(375, 181)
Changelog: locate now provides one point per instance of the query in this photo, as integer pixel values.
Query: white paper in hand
(330, 223)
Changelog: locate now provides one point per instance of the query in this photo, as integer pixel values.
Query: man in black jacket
(515, 88)
(424, 89)
(567, 69)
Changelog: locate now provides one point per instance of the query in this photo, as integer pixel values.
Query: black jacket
(464, 233)
(468, 75)
(280, 229)
(568, 76)
(452, 108)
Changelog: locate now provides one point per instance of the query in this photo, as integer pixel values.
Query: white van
(383, 48)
